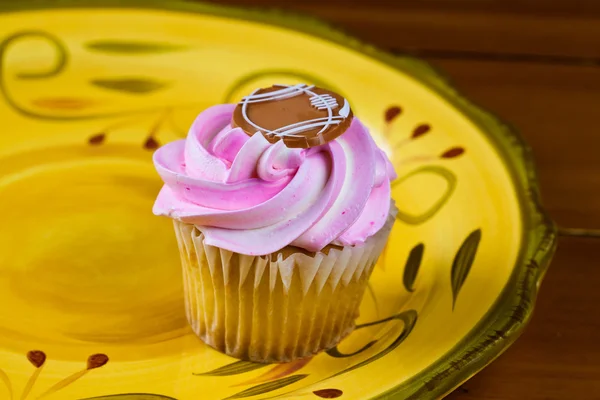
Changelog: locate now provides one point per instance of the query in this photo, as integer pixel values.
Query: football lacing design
(320, 102)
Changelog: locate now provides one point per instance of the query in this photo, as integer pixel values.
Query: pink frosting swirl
(253, 197)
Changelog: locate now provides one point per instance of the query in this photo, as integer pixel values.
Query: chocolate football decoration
(301, 115)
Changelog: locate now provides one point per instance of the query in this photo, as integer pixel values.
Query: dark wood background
(536, 63)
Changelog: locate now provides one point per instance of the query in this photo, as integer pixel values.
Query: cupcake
(281, 206)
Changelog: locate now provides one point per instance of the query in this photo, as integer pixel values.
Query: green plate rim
(507, 318)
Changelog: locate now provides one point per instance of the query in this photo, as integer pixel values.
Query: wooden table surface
(536, 63)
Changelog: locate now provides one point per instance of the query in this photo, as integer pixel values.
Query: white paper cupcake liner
(271, 308)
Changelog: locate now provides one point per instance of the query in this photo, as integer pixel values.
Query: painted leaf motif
(37, 358)
(97, 139)
(277, 372)
(151, 144)
(132, 396)
(238, 367)
(420, 131)
(461, 266)
(442, 172)
(131, 47)
(328, 393)
(412, 266)
(96, 361)
(453, 152)
(129, 85)
(267, 387)
(64, 103)
(391, 113)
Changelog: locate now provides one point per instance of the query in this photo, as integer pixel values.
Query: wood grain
(567, 30)
(557, 357)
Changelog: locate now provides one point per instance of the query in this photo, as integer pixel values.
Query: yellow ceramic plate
(90, 292)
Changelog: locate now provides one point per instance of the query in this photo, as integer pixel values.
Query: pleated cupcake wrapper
(264, 310)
